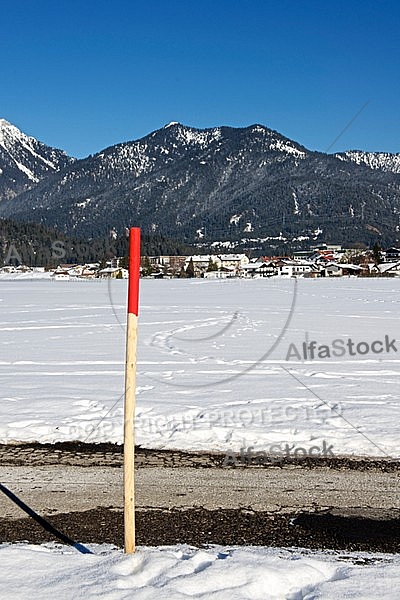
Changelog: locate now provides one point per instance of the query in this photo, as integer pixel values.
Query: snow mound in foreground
(181, 572)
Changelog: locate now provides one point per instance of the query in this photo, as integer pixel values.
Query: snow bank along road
(333, 503)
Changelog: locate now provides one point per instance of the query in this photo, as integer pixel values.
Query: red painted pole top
(134, 270)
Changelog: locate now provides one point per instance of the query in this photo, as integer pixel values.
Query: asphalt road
(58, 488)
(77, 483)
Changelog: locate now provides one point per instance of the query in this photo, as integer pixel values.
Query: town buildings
(322, 261)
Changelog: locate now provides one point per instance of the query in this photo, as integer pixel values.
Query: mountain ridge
(221, 183)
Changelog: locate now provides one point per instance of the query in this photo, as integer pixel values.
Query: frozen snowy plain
(207, 378)
(201, 386)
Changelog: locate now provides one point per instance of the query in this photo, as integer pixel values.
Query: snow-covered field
(220, 363)
(213, 373)
(179, 572)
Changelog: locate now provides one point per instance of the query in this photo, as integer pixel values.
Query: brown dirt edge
(200, 527)
(112, 454)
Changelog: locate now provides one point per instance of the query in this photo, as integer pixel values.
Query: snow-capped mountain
(383, 161)
(24, 161)
(248, 186)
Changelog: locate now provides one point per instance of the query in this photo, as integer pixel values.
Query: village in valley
(327, 260)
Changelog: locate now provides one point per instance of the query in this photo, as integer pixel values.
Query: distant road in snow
(69, 479)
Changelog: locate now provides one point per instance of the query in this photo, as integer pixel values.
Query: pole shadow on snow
(43, 522)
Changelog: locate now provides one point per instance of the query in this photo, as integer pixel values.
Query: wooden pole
(130, 390)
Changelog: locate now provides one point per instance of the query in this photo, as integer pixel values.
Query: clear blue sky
(83, 75)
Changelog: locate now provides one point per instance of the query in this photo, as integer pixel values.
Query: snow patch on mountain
(296, 209)
(235, 219)
(199, 137)
(27, 171)
(284, 146)
(133, 158)
(383, 161)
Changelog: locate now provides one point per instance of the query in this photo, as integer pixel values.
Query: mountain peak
(7, 129)
(24, 160)
(7, 126)
(4, 124)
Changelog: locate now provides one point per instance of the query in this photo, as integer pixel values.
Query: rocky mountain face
(233, 187)
(24, 161)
